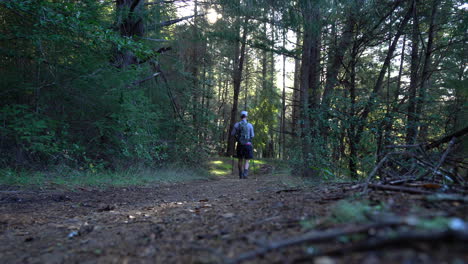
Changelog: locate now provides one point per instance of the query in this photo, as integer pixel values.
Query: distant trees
(133, 81)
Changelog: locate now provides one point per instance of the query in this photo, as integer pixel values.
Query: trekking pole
(253, 169)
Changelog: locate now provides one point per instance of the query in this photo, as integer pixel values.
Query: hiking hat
(244, 113)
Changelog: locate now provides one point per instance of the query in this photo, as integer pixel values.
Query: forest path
(169, 223)
(197, 222)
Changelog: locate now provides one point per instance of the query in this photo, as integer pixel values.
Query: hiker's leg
(246, 168)
(240, 164)
(248, 156)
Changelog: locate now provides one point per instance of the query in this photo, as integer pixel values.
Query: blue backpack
(243, 136)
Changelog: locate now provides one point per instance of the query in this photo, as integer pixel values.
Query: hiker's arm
(234, 130)
(253, 134)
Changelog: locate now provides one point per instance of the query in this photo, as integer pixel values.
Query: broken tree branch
(138, 82)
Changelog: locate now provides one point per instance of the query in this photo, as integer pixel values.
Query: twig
(444, 156)
(396, 182)
(425, 164)
(374, 171)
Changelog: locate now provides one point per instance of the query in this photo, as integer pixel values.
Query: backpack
(243, 136)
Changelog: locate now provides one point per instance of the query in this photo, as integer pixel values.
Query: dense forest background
(328, 84)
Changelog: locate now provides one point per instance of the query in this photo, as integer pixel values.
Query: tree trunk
(237, 77)
(130, 24)
(194, 62)
(296, 92)
(283, 105)
(411, 126)
(387, 122)
(426, 73)
(309, 80)
(353, 140)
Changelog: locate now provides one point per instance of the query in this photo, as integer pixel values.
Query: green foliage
(66, 98)
(23, 129)
(63, 101)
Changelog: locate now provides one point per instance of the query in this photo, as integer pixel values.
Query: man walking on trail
(243, 132)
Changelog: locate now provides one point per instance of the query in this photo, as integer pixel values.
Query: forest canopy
(327, 84)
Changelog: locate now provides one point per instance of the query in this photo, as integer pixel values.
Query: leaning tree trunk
(379, 82)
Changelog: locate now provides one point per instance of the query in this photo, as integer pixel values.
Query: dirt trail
(197, 222)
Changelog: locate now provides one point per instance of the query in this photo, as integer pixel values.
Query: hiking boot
(241, 175)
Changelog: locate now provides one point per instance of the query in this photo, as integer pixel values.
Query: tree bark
(309, 88)
(353, 141)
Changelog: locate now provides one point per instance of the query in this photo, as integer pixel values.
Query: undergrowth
(68, 177)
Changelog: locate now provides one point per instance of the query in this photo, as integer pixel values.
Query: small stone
(228, 215)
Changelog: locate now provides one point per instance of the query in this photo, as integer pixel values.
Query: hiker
(243, 132)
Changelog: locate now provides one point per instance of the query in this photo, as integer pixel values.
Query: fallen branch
(374, 171)
(314, 237)
(398, 189)
(400, 240)
(445, 139)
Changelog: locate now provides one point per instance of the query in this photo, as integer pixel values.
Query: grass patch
(68, 177)
(221, 166)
